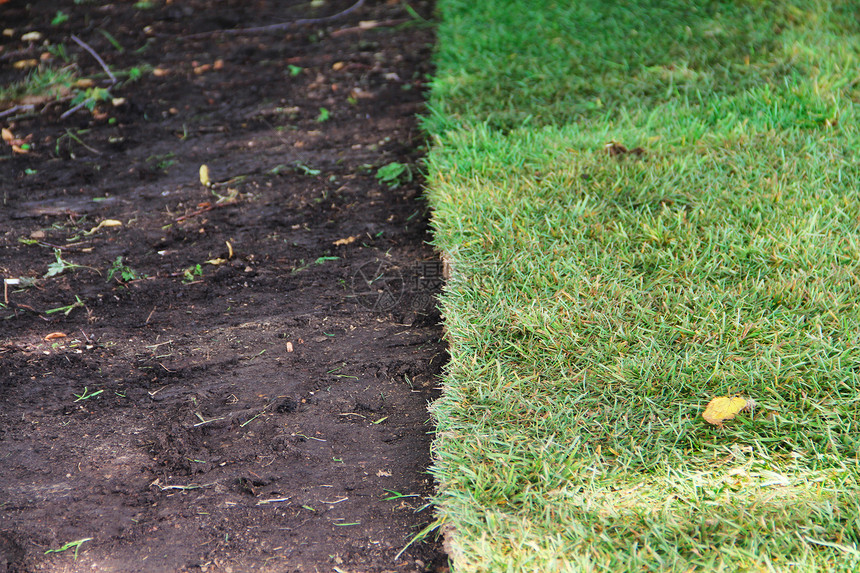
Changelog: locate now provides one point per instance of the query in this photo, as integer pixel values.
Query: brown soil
(246, 389)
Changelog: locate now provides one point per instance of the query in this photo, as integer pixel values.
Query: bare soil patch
(236, 377)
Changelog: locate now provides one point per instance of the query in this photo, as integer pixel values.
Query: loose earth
(231, 376)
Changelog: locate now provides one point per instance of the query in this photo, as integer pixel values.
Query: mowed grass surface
(598, 302)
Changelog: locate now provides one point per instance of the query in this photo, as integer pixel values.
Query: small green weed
(91, 97)
(67, 310)
(76, 545)
(61, 265)
(394, 174)
(109, 37)
(59, 51)
(191, 274)
(122, 272)
(324, 115)
(60, 18)
(307, 170)
(162, 162)
(49, 83)
(86, 394)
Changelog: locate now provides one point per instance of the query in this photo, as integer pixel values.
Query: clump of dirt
(231, 376)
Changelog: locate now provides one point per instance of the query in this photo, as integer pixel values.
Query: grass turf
(597, 302)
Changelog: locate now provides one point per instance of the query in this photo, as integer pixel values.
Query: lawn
(647, 205)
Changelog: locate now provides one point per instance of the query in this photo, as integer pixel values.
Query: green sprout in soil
(60, 18)
(61, 265)
(52, 83)
(86, 395)
(90, 98)
(66, 310)
(192, 273)
(122, 272)
(71, 544)
(392, 495)
(394, 174)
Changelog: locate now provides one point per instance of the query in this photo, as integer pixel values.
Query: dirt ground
(231, 377)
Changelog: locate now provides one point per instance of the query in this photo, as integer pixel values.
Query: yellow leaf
(345, 241)
(24, 64)
(103, 224)
(724, 408)
(204, 176)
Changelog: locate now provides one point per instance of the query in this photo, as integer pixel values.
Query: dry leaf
(616, 149)
(345, 241)
(289, 346)
(24, 64)
(724, 408)
(103, 224)
(7, 135)
(55, 335)
(204, 176)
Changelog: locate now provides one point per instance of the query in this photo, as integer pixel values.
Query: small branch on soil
(73, 110)
(282, 26)
(93, 53)
(370, 26)
(18, 53)
(16, 109)
(276, 500)
(205, 209)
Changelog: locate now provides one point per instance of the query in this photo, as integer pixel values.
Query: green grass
(598, 303)
(49, 83)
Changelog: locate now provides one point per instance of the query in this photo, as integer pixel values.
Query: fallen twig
(370, 26)
(16, 109)
(72, 110)
(276, 500)
(93, 53)
(283, 25)
(204, 209)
